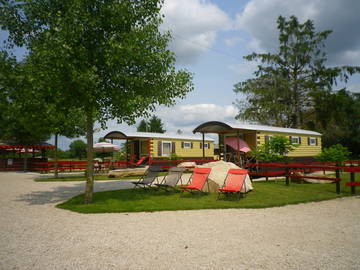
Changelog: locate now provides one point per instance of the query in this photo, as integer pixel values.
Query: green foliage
(106, 59)
(338, 119)
(121, 155)
(143, 126)
(275, 149)
(78, 149)
(174, 156)
(61, 154)
(153, 125)
(334, 153)
(282, 92)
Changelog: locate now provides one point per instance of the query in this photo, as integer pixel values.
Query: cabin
(162, 146)
(238, 139)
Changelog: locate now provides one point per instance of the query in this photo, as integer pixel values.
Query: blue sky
(210, 38)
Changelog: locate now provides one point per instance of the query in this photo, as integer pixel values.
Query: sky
(211, 37)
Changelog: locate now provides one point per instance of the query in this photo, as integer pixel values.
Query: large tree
(27, 117)
(106, 58)
(285, 82)
(153, 125)
(337, 117)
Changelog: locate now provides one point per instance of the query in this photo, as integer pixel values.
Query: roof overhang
(223, 128)
(116, 135)
(213, 127)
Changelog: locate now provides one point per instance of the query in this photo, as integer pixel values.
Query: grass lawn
(265, 194)
(82, 178)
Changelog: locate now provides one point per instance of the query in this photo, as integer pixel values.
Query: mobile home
(252, 136)
(162, 146)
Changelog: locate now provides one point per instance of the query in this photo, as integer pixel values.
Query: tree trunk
(89, 189)
(56, 172)
(25, 159)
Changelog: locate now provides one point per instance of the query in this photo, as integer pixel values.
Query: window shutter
(299, 139)
(159, 148)
(192, 145)
(201, 145)
(266, 138)
(208, 145)
(182, 144)
(173, 145)
(316, 141)
(308, 140)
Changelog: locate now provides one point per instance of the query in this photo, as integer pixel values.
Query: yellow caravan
(162, 146)
(253, 136)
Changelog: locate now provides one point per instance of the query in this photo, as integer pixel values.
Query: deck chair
(233, 183)
(171, 179)
(138, 163)
(148, 178)
(198, 180)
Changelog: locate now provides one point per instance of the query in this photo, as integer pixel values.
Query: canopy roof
(222, 128)
(118, 135)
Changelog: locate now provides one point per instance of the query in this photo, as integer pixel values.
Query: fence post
(287, 180)
(337, 172)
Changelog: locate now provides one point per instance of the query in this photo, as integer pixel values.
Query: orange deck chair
(234, 182)
(198, 180)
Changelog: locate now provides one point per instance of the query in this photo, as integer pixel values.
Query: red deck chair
(198, 180)
(139, 162)
(233, 183)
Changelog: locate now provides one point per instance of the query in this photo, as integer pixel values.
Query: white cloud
(231, 42)
(194, 25)
(354, 87)
(343, 45)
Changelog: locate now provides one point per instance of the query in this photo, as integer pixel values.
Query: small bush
(334, 153)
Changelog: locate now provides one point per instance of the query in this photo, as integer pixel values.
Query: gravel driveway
(36, 235)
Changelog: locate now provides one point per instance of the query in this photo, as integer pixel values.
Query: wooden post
(203, 144)
(149, 151)
(127, 152)
(352, 179)
(225, 154)
(238, 148)
(337, 173)
(287, 179)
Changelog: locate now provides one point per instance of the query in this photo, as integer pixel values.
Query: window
(312, 141)
(206, 145)
(295, 140)
(166, 149)
(186, 145)
(268, 138)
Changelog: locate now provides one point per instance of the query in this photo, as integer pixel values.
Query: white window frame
(206, 145)
(187, 144)
(312, 141)
(295, 137)
(162, 148)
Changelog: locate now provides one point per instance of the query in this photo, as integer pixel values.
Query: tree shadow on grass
(67, 191)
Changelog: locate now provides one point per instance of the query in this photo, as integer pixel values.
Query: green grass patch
(265, 194)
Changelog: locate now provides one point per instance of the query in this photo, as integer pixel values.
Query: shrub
(334, 153)
(275, 149)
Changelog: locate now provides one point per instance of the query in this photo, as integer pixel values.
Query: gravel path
(36, 235)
